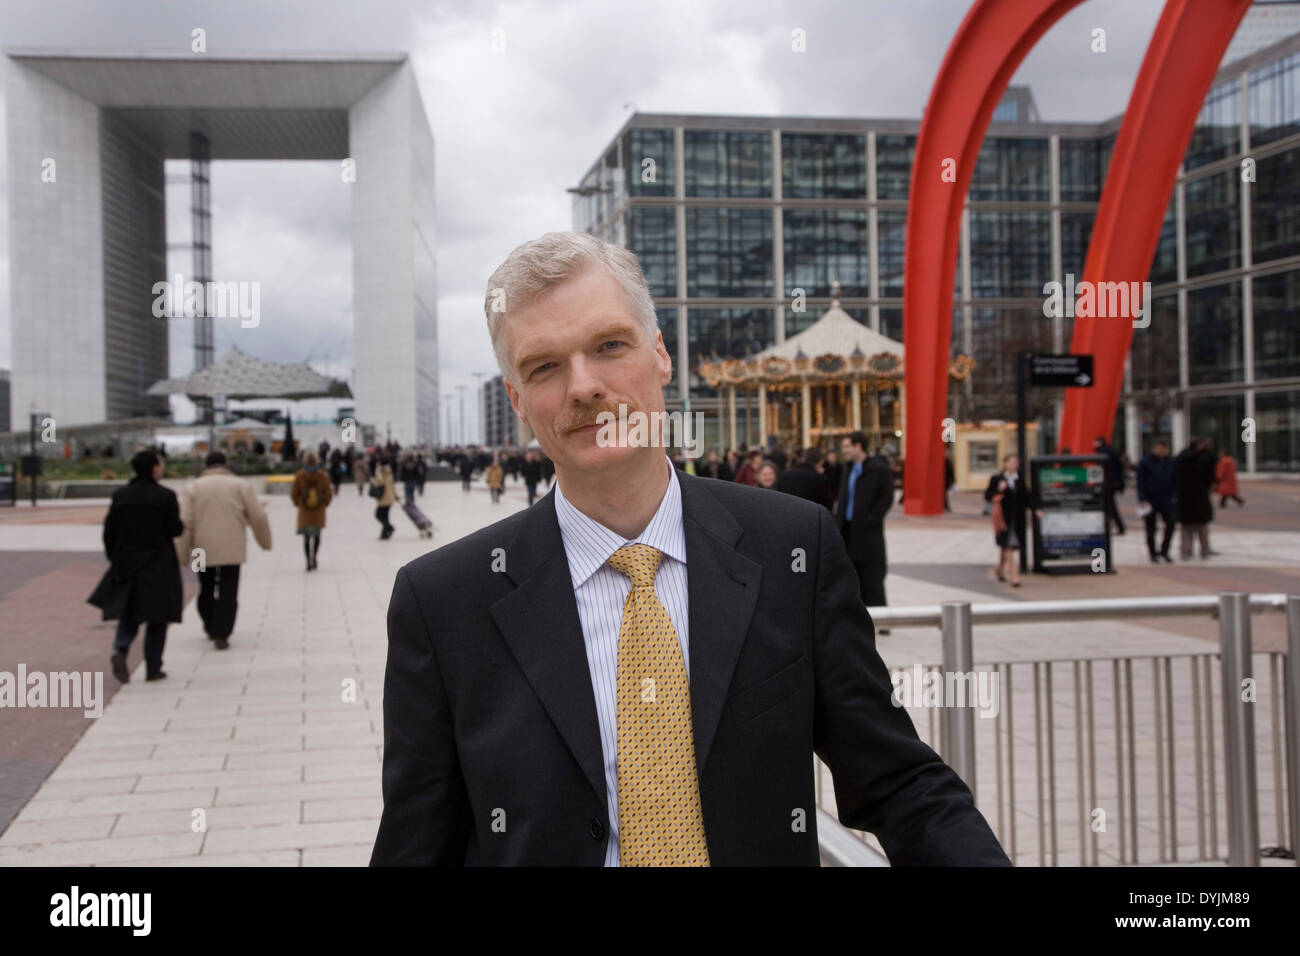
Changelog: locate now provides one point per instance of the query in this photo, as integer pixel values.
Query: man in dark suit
(866, 495)
(638, 669)
(805, 479)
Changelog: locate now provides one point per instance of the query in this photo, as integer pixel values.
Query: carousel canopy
(835, 348)
(835, 333)
(239, 375)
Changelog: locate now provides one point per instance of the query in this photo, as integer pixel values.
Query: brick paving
(268, 754)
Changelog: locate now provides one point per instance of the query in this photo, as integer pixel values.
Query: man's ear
(514, 402)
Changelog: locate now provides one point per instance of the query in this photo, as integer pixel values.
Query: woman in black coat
(143, 582)
(1010, 536)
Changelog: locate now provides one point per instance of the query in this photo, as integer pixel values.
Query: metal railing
(1104, 770)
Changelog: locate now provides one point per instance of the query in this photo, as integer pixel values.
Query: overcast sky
(512, 130)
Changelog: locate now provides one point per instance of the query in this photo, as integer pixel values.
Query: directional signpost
(1045, 371)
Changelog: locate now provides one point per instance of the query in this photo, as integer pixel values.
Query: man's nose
(585, 384)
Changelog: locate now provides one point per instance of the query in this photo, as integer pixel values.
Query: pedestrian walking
(1195, 510)
(311, 493)
(866, 495)
(532, 472)
(1114, 480)
(421, 472)
(466, 471)
(336, 470)
(748, 472)
(383, 490)
(1008, 499)
(1225, 480)
(216, 509)
(1157, 489)
(143, 581)
(949, 480)
(410, 477)
(361, 474)
(495, 479)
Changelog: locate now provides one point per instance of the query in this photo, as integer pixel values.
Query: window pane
(822, 245)
(1277, 431)
(652, 235)
(649, 156)
(1011, 253)
(668, 326)
(1218, 127)
(821, 166)
(1164, 267)
(1218, 418)
(890, 240)
(1011, 169)
(728, 252)
(1076, 233)
(1275, 207)
(1275, 101)
(1214, 334)
(728, 163)
(1213, 223)
(997, 337)
(1080, 170)
(1154, 354)
(894, 165)
(726, 333)
(1277, 331)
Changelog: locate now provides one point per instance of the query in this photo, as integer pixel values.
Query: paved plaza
(269, 753)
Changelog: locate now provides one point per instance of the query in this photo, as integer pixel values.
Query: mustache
(588, 415)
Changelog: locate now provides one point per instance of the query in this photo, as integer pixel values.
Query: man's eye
(611, 342)
(541, 368)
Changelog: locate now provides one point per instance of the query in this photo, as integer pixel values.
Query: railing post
(1238, 730)
(958, 661)
(1291, 680)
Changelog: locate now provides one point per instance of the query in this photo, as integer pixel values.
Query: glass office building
(733, 217)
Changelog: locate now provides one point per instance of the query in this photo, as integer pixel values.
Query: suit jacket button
(596, 828)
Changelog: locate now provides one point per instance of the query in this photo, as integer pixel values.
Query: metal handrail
(1013, 612)
(839, 847)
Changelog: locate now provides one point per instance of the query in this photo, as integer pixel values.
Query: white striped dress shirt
(601, 593)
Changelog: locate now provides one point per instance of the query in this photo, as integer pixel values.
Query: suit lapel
(722, 588)
(540, 622)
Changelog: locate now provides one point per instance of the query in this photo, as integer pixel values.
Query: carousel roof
(835, 333)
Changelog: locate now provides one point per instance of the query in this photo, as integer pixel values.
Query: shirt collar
(588, 544)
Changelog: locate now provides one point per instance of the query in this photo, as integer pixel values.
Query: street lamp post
(461, 389)
(478, 390)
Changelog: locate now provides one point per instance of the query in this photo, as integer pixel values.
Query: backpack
(312, 502)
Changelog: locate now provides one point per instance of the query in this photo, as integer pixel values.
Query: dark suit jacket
(806, 482)
(873, 497)
(491, 746)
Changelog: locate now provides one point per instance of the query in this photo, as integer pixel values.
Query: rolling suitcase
(419, 519)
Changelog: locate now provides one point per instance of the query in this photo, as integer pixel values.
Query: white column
(806, 422)
(731, 414)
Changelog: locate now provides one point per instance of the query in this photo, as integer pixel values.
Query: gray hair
(540, 265)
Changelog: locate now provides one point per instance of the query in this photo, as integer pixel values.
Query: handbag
(376, 490)
(999, 519)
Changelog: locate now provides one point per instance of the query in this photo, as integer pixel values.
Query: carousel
(835, 377)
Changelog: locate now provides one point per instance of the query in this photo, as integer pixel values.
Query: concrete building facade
(87, 138)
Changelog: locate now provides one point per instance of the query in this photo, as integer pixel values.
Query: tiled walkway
(269, 753)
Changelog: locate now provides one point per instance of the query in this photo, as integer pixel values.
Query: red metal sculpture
(989, 45)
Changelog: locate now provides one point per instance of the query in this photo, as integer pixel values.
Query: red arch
(1180, 63)
(990, 43)
(992, 40)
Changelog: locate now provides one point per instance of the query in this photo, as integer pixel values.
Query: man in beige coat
(216, 508)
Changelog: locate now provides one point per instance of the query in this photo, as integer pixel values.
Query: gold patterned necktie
(660, 822)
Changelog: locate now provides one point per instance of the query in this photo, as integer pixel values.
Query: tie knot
(638, 561)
